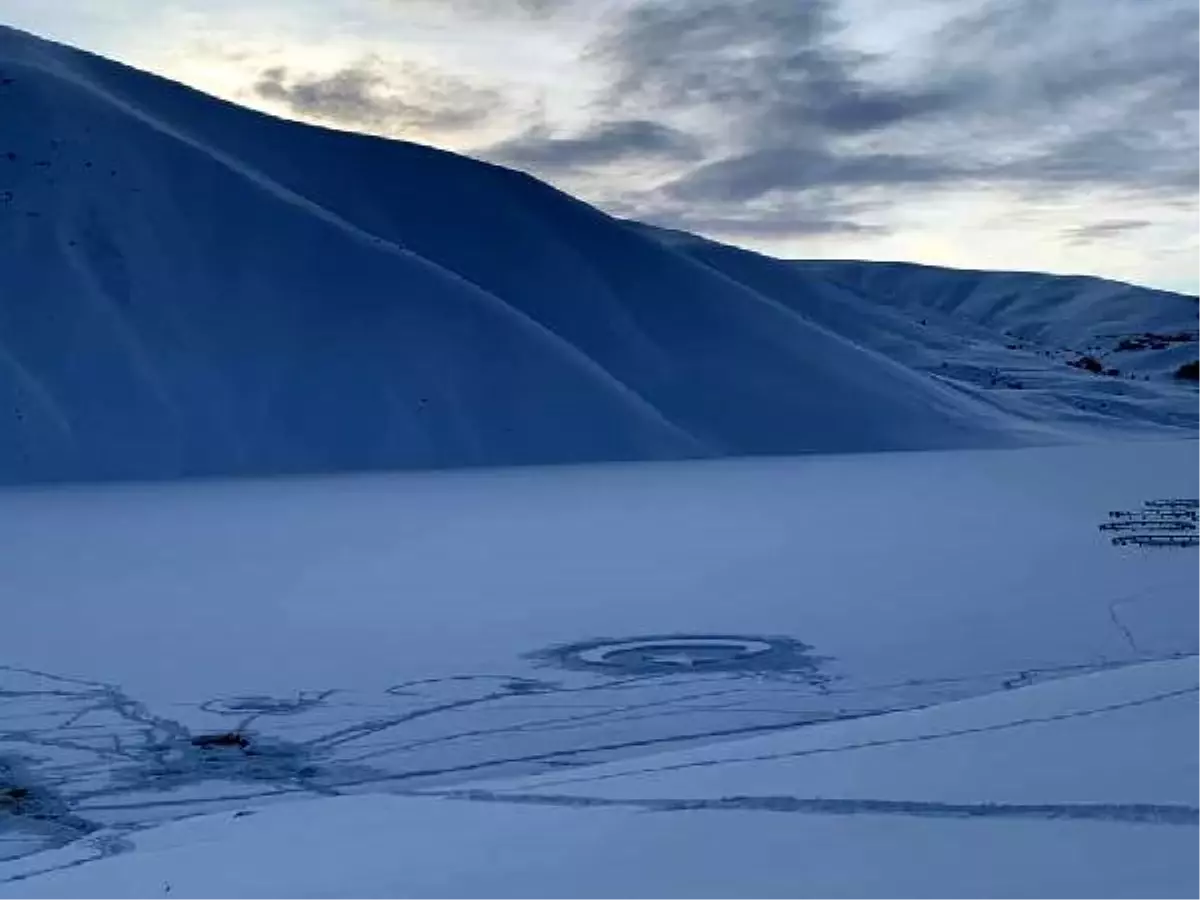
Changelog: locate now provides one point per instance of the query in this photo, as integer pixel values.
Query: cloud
(600, 144)
(768, 118)
(372, 95)
(1150, 160)
(756, 174)
(1027, 96)
(765, 68)
(777, 64)
(488, 9)
(769, 223)
(773, 217)
(1110, 228)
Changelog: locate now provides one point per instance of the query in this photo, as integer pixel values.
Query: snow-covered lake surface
(921, 673)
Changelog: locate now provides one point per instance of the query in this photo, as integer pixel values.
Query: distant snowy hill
(188, 287)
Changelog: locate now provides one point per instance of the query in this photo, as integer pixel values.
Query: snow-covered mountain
(189, 287)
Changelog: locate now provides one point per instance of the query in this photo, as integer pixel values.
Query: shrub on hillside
(1088, 364)
(1188, 372)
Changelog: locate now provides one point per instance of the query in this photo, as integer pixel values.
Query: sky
(1049, 135)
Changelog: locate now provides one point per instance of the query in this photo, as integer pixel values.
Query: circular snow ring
(684, 649)
(674, 654)
(259, 705)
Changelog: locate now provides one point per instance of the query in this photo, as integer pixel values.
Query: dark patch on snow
(33, 816)
(230, 739)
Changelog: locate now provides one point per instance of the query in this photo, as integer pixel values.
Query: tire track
(1152, 813)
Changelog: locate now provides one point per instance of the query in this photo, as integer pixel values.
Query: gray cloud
(778, 122)
(1130, 63)
(605, 142)
(819, 212)
(778, 64)
(1037, 95)
(490, 9)
(370, 94)
(768, 70)
(767, 223)
(1099, 231)
(761, 172)
(1142, 160)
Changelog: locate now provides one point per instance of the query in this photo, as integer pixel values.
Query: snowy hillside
(1013, 340)
(1081, 314)
(714, 678)
(188, 287)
